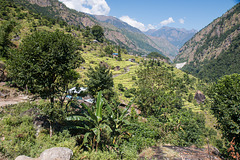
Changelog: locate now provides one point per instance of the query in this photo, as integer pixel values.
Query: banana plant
(118, 119)
(94, 119)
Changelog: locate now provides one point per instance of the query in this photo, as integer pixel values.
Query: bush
(20, 137)
(127, 94)
(120, 87)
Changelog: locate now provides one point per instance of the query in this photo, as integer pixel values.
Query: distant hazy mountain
(176, 36)
(215, 50)
(165, 46)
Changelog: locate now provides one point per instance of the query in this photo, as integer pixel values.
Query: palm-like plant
(96, 125)
(117, 120)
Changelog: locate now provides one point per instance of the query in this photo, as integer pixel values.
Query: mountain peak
(177, 36)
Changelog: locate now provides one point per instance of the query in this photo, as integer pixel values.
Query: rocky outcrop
(56, 153)
(199, 97)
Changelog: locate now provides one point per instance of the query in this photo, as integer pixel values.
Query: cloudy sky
(153, 14)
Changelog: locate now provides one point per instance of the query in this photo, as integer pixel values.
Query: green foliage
(5, 29)
(143, 134)
(120, 87)
(157, 55)
(98, 33)
(45, 63)
(190, 97)
(224, 64)
(127, 94)
(225, 106)
(95, 124)
(190, 128)
(100, 79)
(19, 137)
(156, 89)
(108, 50)
(117, 119)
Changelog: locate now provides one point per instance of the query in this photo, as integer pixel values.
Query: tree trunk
(51, 129)
(51, 115)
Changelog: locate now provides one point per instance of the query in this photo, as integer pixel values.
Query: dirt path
(13, 100)
(10, 95)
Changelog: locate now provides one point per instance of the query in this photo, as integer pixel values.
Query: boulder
(199, 97)
(56, 153)
(25, 158)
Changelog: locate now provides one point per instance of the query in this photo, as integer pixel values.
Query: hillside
(175, 36)
(164, 110)
(167, 48)
(214, 51)
(116, 31)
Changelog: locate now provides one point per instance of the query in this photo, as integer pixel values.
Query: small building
(115, 54)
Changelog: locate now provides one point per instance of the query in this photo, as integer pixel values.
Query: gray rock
(199, 97)
(25, 158)
(56, 153)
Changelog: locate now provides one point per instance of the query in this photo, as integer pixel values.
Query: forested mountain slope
(214, 51)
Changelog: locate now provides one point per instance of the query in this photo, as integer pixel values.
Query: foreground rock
(56, 153)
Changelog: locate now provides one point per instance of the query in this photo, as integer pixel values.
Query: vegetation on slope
(103, 130)
(214, 51)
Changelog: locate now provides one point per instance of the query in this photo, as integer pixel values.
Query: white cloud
(136, 24)
(96, 7)
(181, 20)
(167, 21)
(151, 26)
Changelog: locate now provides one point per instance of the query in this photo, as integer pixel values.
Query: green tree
(156, 89)
(98, 33)
(100, 79)
(225, 95)
(5, 30)
(108, 50)
(44, 64)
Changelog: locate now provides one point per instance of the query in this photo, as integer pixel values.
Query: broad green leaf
(99, 106)
(126, 109)
(85, 137)
(89, 112)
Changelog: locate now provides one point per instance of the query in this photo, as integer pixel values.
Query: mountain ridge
(126, 36)
(176, 36)
(210, 46)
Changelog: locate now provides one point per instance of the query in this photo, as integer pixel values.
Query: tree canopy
(226, 106)
(98, 33)
(45, 63)
(100, 79)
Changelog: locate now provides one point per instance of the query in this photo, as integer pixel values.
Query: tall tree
(156, 89)
(45, 63)
(225, 95)
(100, 79)
(98, 33)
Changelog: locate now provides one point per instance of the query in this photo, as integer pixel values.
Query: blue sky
(153, 14)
